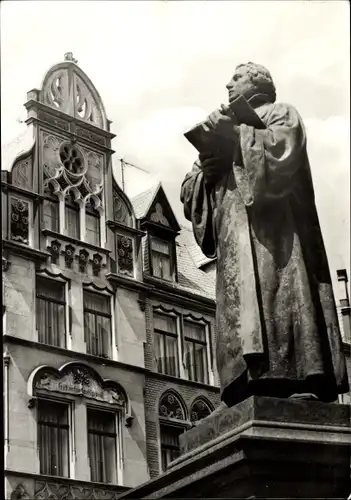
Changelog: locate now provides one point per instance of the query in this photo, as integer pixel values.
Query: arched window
(72, 223)
(200, 408)
(92, 224)
(172, 418)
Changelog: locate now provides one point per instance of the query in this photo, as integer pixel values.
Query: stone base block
(261, 448)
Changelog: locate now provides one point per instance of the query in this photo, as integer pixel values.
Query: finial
(69, 57)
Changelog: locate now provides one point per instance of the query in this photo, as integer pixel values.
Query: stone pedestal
(261, 448)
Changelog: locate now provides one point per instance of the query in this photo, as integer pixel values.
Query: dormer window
(72, 217)
(162, 260)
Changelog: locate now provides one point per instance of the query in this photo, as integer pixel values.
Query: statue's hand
(212, 167)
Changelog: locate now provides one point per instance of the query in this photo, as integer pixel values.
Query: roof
(142, 202)
(190, 277)
(22, 143)
(188, 239)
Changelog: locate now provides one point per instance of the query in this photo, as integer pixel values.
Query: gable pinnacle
(69, 57)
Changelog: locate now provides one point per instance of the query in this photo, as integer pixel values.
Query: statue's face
(240, 84)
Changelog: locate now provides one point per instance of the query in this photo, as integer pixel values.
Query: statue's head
(250, 79)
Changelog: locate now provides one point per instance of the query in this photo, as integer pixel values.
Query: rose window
(71, 159)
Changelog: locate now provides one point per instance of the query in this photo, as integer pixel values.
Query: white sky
(162, 66)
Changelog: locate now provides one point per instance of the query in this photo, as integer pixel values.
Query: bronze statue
(254, 210)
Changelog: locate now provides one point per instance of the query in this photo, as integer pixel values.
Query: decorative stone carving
(19, 493)
(80, 382)
(19, 220)
(5, 264)
(69, 255)
(125, 257)
(86, 134)
(68, 166)
(85, 105)
(64, 491)
(199, 409)
(158, 217)
(54, 249)
(22, 174)
(53, 120)
(83, 260)
(120, 210)
(96, 263)
(171, 407)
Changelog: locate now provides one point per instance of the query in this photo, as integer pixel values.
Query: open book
(206, 140)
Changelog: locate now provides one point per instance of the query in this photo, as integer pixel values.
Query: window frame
(197, 342)
(176, 336)
(73, 205)
(172, 257)
(182, 425)
(113, 349)
(70, 407)
(181, 318)
(65, 283)
(118, 441)
(90, 211)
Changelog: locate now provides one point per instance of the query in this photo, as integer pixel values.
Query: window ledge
(74, 241)
(184, 381)
(24, 250)
(115, 226)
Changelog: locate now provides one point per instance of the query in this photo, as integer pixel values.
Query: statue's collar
(258, 100)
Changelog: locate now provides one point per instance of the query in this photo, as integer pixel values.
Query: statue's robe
(276, 323)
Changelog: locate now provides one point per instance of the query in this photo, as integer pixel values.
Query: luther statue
(276, 321)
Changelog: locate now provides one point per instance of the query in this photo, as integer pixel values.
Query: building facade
(108, 319)
(108, 309)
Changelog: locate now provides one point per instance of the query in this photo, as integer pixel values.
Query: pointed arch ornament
(171, 406)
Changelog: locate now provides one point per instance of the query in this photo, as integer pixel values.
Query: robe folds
(276, 323)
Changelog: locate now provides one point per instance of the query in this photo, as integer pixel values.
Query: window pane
(51, 215)
(194, 331)
(97, 324)
(165, 323)
(53, 438)
(196, 361)
(72, 222)
(169, 443)
(51, 312)
(102, 446)
(92, 226)
(97, 302)
(160, 246)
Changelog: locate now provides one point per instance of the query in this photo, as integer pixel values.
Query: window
(195, 347)
(72, 218)
(97, 323)
(169, 443)
(53, 438)
(102, 445)
(161, 258)
(166, 341)
(51, 312)
(172, 423)
(92, 226)
(51, 210)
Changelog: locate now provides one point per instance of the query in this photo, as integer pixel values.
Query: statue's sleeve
(270, 157)
(197, 202)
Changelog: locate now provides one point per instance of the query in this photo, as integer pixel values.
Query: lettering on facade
(79, 382)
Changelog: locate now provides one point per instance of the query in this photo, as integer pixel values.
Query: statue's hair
(261, 78)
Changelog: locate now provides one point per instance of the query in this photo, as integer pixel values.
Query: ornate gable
(160, 212)
(67, 88)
